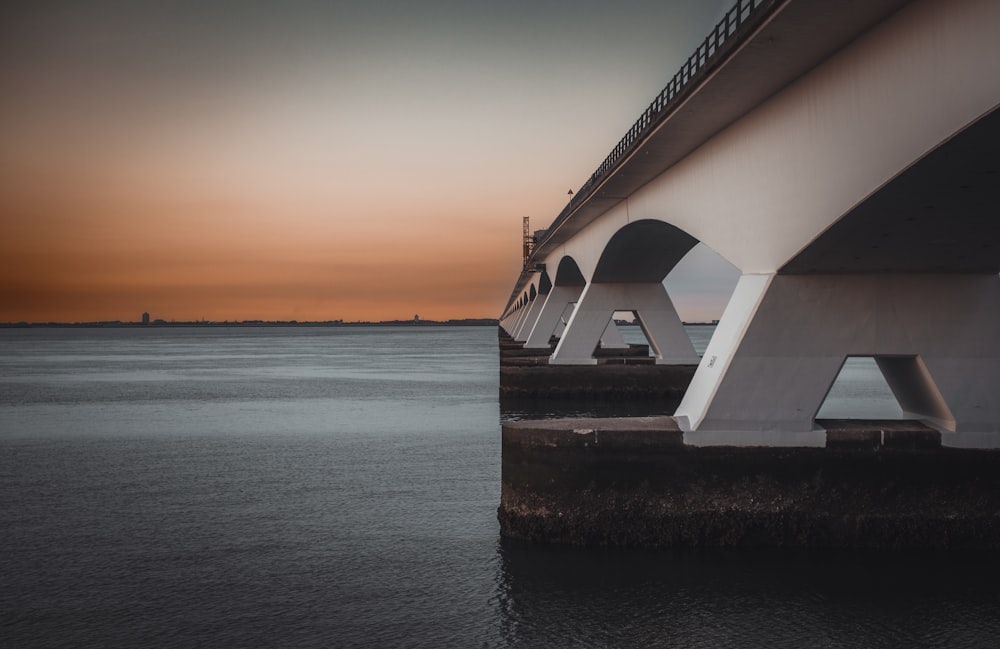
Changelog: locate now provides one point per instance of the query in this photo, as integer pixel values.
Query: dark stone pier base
(665, 383)
(621, 375)
(633, 482)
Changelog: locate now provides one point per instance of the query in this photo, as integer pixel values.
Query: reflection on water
(552, 596)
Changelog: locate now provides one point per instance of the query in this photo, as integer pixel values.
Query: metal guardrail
(737, 23)
(726, 32)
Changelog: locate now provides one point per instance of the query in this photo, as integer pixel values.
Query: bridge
(845, 157)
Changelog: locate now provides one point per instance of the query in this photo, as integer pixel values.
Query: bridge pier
(634, 482)
(784, 338)
(508, 321)
(653, 309)
(523, 328)
(846, 162)
(518, 319)
(612, 338)
(556, 304)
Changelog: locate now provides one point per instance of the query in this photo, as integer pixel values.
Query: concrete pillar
(783, 339)
(515, 319)
(508, 321)
(530, 317)
(654, 311)
(518, 317)
(564, 319)
(556, 303)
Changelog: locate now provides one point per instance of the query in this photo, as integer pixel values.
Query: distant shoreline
(110, 324)
(468, 322)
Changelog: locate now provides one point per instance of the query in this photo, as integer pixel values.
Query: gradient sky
(304, 159)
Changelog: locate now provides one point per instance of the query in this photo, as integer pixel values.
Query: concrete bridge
(845, 157)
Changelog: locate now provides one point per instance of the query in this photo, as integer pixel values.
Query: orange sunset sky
(307, 160)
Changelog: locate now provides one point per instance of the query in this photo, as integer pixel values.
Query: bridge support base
(550, 317)
(784, 338)
(653, 309)
(633, 482)
(523, 328)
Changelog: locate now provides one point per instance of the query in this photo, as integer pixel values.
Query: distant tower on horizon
(145, 318)
(416, 318)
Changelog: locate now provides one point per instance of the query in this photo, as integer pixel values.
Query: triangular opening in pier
(624, 333)
(860, 392)
(886, 387)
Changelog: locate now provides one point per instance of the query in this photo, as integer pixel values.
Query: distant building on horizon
(416, 318)
(145, 318)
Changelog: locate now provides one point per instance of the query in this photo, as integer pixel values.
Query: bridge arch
(852, 189)
(544, 283)
(628, 276)
(530, 305)
(643, 251)
(550, 315)
(568, 273)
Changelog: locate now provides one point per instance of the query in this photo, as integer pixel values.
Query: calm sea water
(269, 487)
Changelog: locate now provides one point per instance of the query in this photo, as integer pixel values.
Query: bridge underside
(846, 159)
(728, 92)
(940, 215)
(859, 200)
(909, 277)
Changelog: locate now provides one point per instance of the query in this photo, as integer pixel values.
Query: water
(338, 488)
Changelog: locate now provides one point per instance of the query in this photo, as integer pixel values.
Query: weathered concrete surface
(632, 482)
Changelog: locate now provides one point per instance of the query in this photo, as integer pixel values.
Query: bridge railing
(737, 22)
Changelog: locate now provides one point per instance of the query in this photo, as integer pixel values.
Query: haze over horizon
(313, 161)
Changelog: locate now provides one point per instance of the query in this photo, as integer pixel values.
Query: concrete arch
(628, 248)
(643, 251)
(568, 273)
(628, 275)
(544, 283)
(548, 317)
(538, 292)
(936, 216)
(855, 193)
(628, 261)
(766, 187)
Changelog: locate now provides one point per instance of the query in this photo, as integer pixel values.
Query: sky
(307, 159)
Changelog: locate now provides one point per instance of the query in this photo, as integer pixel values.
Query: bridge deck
(775, 44)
